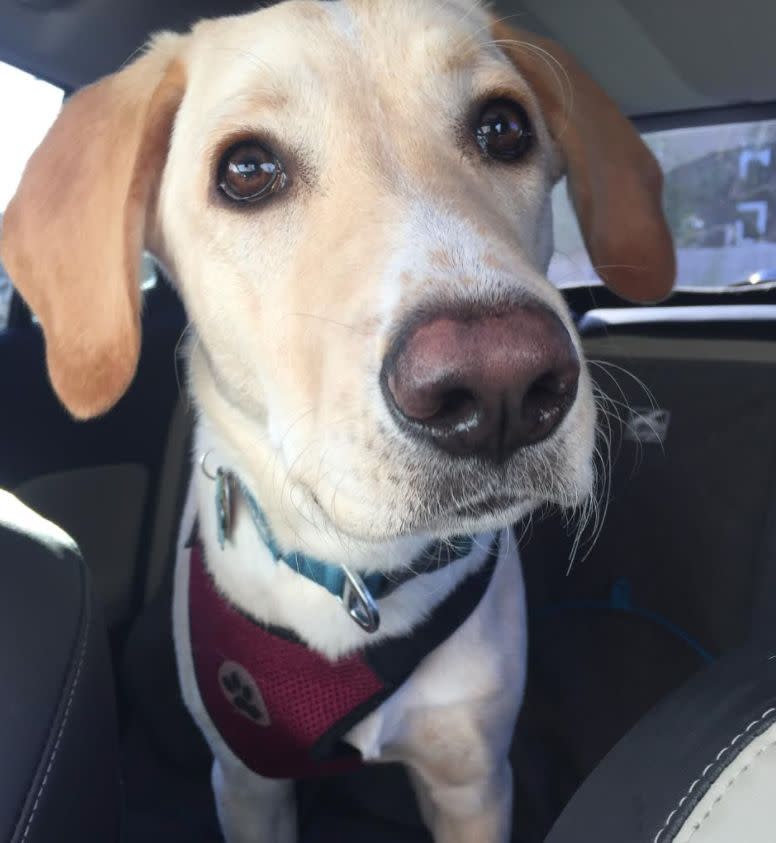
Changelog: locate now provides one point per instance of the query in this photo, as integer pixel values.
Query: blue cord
(620, 601)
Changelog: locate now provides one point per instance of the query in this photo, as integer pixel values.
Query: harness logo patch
(648, 425)
(241, 691)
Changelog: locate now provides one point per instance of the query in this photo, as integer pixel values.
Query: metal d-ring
(359, 603)
(203, 465)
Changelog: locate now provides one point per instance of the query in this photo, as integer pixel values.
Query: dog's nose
(483, 385)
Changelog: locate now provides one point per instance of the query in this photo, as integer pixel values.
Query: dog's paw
(241, 691)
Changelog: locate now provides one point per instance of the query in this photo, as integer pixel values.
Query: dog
(353, 200)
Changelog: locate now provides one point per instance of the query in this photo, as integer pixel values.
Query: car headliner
(653, 56)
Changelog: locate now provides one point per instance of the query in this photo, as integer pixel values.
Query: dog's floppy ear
(73, 234)
(613, 179)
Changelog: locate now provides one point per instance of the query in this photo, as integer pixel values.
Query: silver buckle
(359, 603)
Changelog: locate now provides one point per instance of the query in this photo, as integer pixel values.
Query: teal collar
(358, 593)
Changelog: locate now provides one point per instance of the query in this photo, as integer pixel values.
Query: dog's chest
(284, 709)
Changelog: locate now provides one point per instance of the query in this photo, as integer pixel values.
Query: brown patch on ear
(614, 180)
(73, 234)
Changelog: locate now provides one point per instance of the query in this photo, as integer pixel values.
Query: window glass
(720, 200)
(28, 107)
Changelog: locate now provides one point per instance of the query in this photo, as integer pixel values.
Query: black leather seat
(59, 771)
(701, 767)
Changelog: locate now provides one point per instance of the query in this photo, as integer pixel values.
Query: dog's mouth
(494, 509)
(441, 497)
(489, 505)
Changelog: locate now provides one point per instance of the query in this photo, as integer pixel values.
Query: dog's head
(353, 198)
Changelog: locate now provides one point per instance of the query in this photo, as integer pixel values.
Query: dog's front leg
(477, 811)
(252, 809)
(466, 812)
(461, 774)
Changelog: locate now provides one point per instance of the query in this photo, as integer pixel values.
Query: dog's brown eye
(504, 131)
(249, 171)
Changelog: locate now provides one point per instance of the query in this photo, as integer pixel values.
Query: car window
(28, 106)
(720, 200)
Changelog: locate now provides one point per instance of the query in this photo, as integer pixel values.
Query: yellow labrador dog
(353, 199)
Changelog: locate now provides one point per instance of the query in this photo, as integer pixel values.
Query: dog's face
(380, 204)
(353, 198)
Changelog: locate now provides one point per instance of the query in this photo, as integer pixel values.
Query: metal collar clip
(359, 603)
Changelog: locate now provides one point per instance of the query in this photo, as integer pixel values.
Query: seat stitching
(706, 770)
(727, 787)
(61, 732)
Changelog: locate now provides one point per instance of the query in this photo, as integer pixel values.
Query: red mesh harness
(283, 708)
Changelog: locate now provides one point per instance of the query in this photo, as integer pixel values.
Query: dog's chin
(481, 516)
(476, 516)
